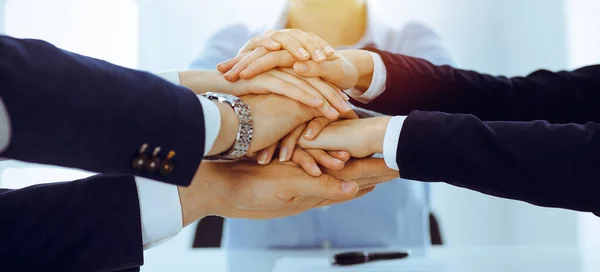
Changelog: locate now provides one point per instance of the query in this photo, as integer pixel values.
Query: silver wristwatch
(245, 128)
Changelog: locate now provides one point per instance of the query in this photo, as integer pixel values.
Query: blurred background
(509, 37)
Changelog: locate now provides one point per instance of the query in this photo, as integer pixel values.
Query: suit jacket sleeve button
(166, 167)
(139, 162)
(153, 164)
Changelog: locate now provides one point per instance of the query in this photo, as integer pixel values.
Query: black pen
(359, 257)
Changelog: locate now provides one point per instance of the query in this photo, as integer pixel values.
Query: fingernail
(262, 158)
(328, 49)
(301, 67)
(319, 54)
(341, 153)
(338, 161)
(332, 111)
(315, 102)
(283, 154)
(303, 52)
(347, 187)
(273, 43)
(345, 96)
(308, 133)
(316, 170)
(346, 106)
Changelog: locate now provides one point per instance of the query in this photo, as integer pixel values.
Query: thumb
(330, 188)
(332, 137)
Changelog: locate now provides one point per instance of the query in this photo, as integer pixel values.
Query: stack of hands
(309, 149)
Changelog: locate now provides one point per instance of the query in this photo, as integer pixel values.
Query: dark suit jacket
(70, 110)
(533, 138)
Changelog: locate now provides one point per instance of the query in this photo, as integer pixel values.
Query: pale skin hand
(345, 69)
(360, 137)
(248, 190)
(297, 43)
(303, 45)
(286, 83)
(250, 65)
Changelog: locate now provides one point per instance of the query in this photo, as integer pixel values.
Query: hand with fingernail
(283, 49)
(349, 135)
(278, 123)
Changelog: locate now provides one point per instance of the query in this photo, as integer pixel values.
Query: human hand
(345, 69)
(273, 117)
(371, 171)
(302, 45)
(337, 69)
(285, 82)
(247, 190)
(258, 57)
(359, 137)
(310, 159)
(276, 118)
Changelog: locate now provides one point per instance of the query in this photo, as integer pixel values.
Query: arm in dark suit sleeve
(85, 225)
(416, 84)
(553, 165)
(75, 111)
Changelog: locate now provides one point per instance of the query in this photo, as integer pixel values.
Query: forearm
(415, 84)
(75, 111)
(528, 161)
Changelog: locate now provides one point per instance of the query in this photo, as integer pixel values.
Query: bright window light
(103, 29)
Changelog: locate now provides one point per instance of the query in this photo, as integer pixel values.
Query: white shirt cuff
(212, 122)
(212, 115)
(378, 81)
(390, 141)
(171, 76)
(160, 211)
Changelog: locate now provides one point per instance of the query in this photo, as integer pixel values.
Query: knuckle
(260, 50)
(323, 121)
(271, 57)
(274, 35)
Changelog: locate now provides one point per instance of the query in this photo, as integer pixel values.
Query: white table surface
(460, 259)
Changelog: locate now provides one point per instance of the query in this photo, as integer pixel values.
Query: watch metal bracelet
(245, 127)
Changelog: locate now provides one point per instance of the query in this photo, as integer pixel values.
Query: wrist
(227, 131)
(377, 130)
(191, 209)
(205, 197)
(197, 200)
(363, 62)
(201, 81)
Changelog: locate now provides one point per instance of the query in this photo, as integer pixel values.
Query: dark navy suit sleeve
(75, 111)
(85, 225)
(553, 165)
(482, 132)
(557, 97)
